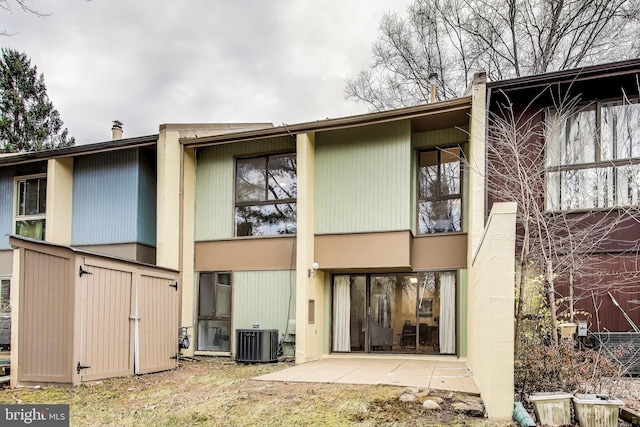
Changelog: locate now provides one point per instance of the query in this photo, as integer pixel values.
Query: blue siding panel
(6, 206)
(147, 184)
(105, 198)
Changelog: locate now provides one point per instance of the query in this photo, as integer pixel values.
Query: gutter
(421, 111)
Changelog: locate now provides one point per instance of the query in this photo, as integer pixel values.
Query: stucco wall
(490, 312)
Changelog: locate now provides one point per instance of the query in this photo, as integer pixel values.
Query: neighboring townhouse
(99, 197)
(580, 131)
(104, 197)
(94, 292)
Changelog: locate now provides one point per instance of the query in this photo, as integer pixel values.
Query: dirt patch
(218, 392)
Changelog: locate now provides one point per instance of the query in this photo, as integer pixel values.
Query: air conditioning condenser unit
(256, 345)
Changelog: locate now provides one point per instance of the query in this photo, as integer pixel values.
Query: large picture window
(266, 191)
(439, 190)
(31, 197)
(593, 157)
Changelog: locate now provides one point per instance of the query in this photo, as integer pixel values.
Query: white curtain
(341, 313)
(447, 313)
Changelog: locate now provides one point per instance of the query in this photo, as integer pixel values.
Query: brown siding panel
(439, 251)
(604, 273)
(46, 319)
(256, 254)
(6, 263)
(364, 250)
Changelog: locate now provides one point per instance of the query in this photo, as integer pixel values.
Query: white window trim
(7, 278)
(16, 217)
(615, 197)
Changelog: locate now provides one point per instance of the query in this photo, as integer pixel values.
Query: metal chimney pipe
(433, 79)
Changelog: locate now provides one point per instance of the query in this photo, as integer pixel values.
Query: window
(266, 190)
(593, 157)
(214, 311)
(31, 196)
(5, 295)
(439, 190)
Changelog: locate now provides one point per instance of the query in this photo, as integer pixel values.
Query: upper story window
(593, 157)
(31, 198)
(439, 190)
(266, 191)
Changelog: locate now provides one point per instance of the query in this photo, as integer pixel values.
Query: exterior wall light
(312, 271)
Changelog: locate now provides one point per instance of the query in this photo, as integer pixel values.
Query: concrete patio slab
(426, 373)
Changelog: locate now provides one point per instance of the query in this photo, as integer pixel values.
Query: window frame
(17, 217)
(611, 169)
(265, 201)
(214, 317)
(5, 306)
(439, 198)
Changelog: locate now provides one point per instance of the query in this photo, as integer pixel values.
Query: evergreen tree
(28, 119)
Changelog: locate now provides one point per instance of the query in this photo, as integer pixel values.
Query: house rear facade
(579, 134)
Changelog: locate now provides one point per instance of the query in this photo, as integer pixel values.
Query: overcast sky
(147, 62)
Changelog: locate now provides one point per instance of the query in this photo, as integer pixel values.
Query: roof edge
(24, 242)
(581, 73)
(78, 150)
(333, 124)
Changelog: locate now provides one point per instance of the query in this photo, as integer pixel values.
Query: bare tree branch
(454, 38)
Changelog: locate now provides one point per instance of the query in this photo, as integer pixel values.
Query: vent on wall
(256, 345)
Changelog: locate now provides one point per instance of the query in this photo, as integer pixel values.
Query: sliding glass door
(395, 313)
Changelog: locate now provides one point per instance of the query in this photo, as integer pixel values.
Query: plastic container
(596, 410)
(552, 409)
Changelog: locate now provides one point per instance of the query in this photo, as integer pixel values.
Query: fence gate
(156, 337)
(129, 321)
(105, 337)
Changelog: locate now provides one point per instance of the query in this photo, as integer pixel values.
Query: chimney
(116, 130)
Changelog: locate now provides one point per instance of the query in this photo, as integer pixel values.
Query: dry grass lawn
(218, 392)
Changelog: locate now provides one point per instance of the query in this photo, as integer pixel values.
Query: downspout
(486, 153)
(521, 416)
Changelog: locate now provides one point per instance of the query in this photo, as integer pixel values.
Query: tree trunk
(571, 310)
(552, 303)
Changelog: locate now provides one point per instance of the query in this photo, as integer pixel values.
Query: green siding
(440, 137)
(215, 169)
(362, 179)
(262, 297)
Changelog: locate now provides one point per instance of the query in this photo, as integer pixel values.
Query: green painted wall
(262, 298)
(447, 136)
(362, 179)
(215, 176)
